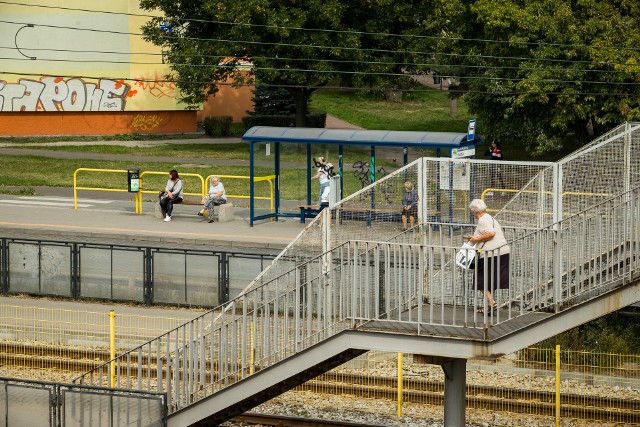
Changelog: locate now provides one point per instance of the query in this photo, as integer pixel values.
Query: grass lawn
(44, 171)
(419, 111)
(427, 111)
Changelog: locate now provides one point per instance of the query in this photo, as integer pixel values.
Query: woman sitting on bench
(172, 194)
(217, 196)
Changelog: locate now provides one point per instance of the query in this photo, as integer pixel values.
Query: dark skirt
(497, 280)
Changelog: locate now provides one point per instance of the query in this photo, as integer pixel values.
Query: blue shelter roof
(358, 137)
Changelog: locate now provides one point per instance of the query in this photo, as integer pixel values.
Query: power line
(333, 72)
(277, 27)
(336, 88)
(338, 61)
(355, 49)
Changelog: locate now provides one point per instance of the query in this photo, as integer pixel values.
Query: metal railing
(76, 188)
(39, 403)
(269, 179)
(361, 281)
(146, 274)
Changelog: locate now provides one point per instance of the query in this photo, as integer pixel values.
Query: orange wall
(96, 123)
(229, 101)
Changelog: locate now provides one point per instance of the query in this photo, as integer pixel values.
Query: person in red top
(495, 153)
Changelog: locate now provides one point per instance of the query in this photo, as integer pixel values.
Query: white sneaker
(167, 218)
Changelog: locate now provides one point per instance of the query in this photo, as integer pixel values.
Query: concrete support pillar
(455, 392)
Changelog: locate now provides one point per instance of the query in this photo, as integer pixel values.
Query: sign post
(471, 130)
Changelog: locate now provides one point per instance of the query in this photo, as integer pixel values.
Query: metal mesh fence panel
(602, 169)
(84, 408)
(516, 390)
(28, 405)
(444, 188)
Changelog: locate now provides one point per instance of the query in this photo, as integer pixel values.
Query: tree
(536, 71)
(299, 46)
(273, 101)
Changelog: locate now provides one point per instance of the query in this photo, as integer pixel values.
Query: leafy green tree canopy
(299, 46)
(539, 71)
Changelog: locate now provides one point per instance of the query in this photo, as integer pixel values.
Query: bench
(224, 211)
(309, 211)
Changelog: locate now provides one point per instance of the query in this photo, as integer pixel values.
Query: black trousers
(167, 204)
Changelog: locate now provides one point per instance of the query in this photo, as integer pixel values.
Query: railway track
(415, 390)
(284, 421)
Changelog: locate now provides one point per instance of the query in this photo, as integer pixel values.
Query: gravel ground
(381, 412)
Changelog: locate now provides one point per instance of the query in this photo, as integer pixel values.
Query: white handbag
(466, 255)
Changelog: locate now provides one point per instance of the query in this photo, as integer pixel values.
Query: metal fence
(35, 403)
(444, 186)
(146, 274)
(361, 281)
(71, 340)
(351, 266)
(519, 389)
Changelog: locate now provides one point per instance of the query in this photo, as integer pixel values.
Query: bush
(217, 125)
(315, 119)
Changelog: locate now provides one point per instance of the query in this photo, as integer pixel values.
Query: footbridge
(353, 281)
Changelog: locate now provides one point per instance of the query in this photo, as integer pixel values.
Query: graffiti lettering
(146, 121)
(362, 174)
(158, 89)
(58, 94)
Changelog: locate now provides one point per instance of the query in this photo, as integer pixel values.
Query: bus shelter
(448, 143)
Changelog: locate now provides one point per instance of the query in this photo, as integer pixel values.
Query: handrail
(319, 302)
(76, 188)
(270, 179)
(141, 191)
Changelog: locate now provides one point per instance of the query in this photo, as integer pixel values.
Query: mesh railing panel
(452, 184)
(414, 286)
(444, 186)
(602, 169)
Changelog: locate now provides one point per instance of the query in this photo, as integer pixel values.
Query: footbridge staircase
(353, 281)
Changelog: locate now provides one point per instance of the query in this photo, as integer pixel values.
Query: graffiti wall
(59, 94)
(70, 60)
(77, 58)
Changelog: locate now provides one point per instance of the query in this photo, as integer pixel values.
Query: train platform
(111, 216)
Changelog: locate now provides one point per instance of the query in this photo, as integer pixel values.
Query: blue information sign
(471, 131)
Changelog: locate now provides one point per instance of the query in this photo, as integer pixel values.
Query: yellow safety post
(252, 350)
(557, 385)
(112, 345)
(400, 381)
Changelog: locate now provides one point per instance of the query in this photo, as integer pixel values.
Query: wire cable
(336, 88)
(321, 60)
(352, 49)
(335, 72)
(367, 33)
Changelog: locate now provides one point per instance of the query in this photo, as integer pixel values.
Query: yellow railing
(76, 188)
(270, 179)
(155, 191)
